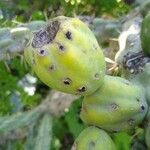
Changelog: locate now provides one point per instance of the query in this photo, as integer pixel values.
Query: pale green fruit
(65, 55)
(117, 105)
(93, 138)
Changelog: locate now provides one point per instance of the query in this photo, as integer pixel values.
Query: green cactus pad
(65, 55)
(93, 138)
(118, 105)
(145, 34)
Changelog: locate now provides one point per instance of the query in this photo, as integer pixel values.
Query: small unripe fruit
(93, 138)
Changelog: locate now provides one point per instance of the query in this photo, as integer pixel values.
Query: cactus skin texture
(65, 55)
(118, 105)
(93, 138)
(145, 36)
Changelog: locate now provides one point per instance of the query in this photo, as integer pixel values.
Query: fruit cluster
(66, 56)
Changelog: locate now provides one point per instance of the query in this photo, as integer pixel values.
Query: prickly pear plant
(66, 56)
(93, 138)
(117, 105)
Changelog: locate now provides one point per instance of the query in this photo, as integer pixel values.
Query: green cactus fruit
(66, 56)
(117, 106)
(145, 36)
(93, 138)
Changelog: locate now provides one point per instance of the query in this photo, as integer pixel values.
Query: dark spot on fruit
(142, 107)
(52, 67)
(67, 81)
(82, 89)
(61, 48)
(130, 122)
(69, 35)
(97, 76)
(42, 52)
(114, 106)
(137, 99)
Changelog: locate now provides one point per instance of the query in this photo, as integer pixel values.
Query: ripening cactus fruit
(145, 36)
(117, 106)
(93, 138)
(66, 56)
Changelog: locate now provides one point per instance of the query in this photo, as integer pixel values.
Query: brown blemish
(46, 35)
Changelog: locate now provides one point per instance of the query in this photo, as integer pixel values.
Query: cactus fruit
(66, 56)
(93, 138)
(145, 36)
(117, 106)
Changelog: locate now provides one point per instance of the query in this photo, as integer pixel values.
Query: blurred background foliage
(21, 91)
(26, 10)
